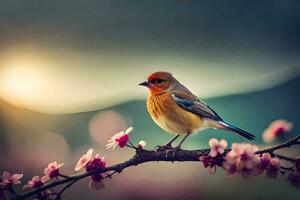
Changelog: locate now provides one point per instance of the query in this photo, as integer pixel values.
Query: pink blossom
(242, 159)
(248, 158)
(96, 182)
(265, 160)
(271, 165)
(217, 147)
(35, 182)
(141, 144)
(208, 163)
(83, 161)
(231, 169)
(7, 179)
(275, 129)
(90, 163)
(274, 167)
(211, 162)
(120, 139)
(95, 163)
(231, 161)
(52, 170)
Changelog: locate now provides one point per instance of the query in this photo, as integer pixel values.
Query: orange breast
(170, 116)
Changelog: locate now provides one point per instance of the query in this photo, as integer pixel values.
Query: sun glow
(20, 83)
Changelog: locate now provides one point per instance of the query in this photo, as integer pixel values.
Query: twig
(289, 143)
(285, 157)
(58, 196)
(62, 175)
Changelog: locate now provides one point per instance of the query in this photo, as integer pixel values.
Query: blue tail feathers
(237, 130)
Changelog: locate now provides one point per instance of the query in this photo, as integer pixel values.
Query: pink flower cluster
(215, 156)
(276, 129)
(242, 159)
(8, 179)
(35, 182)
(90, 164)
(51, 171)
(270, 165)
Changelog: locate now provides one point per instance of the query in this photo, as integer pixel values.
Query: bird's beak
(146, 84)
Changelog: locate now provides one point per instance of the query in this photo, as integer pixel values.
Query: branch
(144, 156)
(141, 156)
(287, 144)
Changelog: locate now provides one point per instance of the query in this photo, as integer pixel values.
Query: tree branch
(288, 143)
(144, 156)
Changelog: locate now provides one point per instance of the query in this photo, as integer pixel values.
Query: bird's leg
(168, 145)
(172, 140)
(183, 139)
(178, 147)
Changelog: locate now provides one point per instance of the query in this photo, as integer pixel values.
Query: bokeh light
(105, 124)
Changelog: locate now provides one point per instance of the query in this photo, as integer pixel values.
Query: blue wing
(197, 107)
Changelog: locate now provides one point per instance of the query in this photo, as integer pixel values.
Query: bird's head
(160, 82)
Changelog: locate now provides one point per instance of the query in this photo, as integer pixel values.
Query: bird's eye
(159, 81)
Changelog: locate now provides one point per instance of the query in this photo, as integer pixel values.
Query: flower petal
(129, 130)
(6, 175)
(223, 143)
(213, 153)
(17, 176)
(213, 142)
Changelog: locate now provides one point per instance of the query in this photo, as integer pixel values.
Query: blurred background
(69, 74)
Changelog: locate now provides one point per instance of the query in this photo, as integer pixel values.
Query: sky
(70, 56)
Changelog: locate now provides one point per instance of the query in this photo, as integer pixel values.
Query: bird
(175, 109)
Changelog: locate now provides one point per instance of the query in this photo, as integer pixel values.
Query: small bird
(177, 110)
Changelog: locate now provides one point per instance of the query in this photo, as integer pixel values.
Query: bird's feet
(173, 151)
(167, 146)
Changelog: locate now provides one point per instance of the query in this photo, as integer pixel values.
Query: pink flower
(231, 161)
(211, 162)
(141, 144)
(275, 129)
(96, 182)
(83, 161)
(95, 163)
(52, 170)
(248, 158)
(120, 139)
(89, 162)
(35, 182)
(217, 147)
(7, 179)
(231, 168)
(265, 160)
(274, 167)
(271, 165)
(242, 159)
(208, 162)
